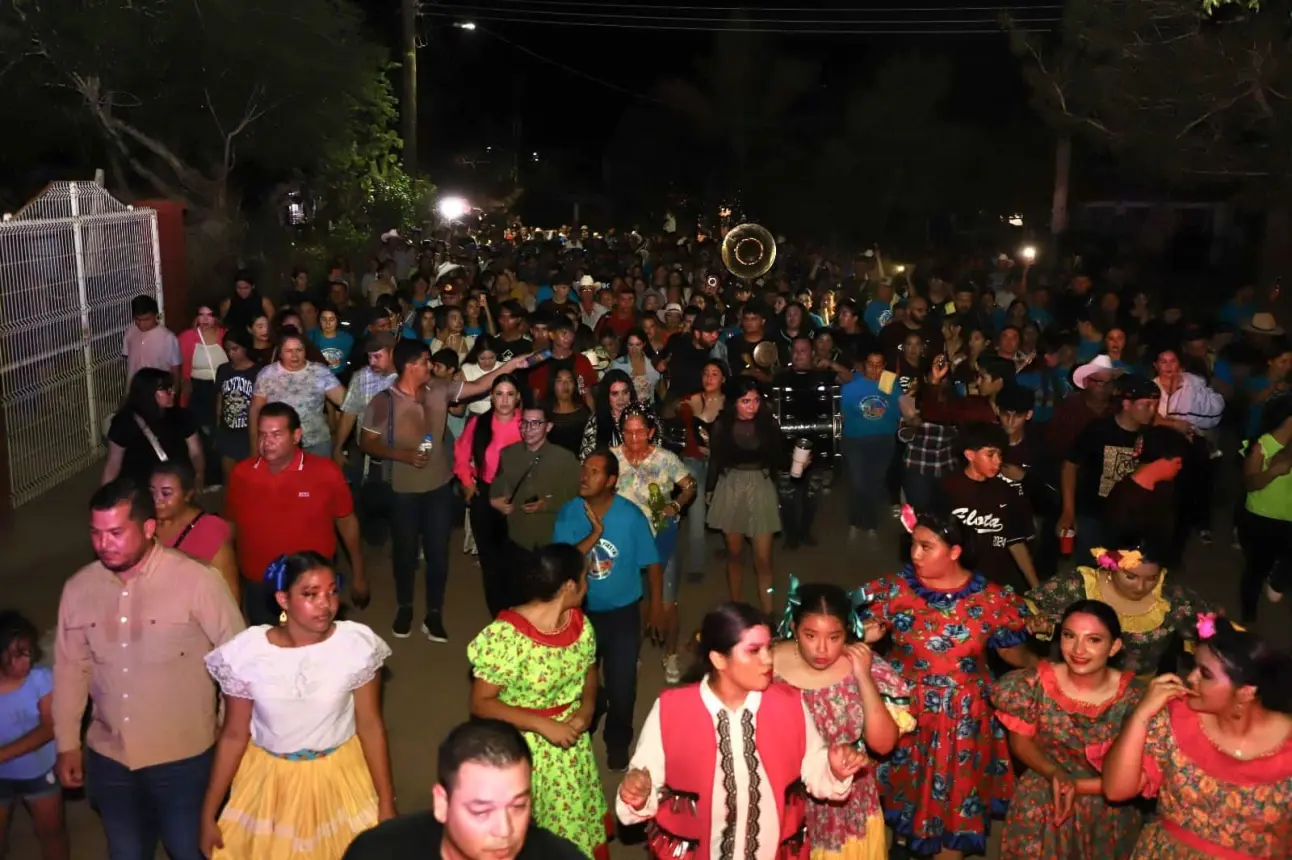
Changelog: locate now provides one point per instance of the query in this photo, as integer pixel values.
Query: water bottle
(428, 442)
(657, 505)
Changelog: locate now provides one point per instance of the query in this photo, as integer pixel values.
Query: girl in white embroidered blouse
(303, 743)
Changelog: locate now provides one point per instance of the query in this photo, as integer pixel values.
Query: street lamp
(453, 208)
(465, 25)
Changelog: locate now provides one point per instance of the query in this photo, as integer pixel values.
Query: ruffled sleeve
(1015, 699)
(1007, 613)
(1052, 597)
(493, 656)
(895, 691)
(369, 654)
(228, 666)
(1157, 752)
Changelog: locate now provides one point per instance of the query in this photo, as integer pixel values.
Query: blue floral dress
(944, 779)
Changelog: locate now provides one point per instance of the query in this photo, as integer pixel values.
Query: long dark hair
(483, 343)
(1107, 616)
(607, 432)
(1251, 661)
(720, 632)
(142, 396)
(484, 422)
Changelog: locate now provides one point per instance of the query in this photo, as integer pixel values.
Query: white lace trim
(222, 672)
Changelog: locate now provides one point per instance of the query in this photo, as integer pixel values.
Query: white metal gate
(70, 262)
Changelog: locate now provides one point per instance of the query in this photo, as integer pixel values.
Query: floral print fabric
(546, 672)
(1210, 804)
(304, 391)
(944, 779)
(837, 712)
(1145, 637)
(1031, 703)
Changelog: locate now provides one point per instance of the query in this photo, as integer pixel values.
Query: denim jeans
(371, 504)
(799, 498)
(867, 459)
(697, 553)
(426, 518)
(619, 633)
(669, 549)
(140, 806)
(923, 490)
(489, 527)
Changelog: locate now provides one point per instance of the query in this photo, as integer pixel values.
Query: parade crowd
(589, 410)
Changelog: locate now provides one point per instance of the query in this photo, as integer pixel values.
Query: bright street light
(453, 208)
(465, 25)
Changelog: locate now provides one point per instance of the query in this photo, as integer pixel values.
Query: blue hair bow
(276, 573)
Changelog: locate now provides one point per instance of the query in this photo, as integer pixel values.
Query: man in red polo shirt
(287, 500)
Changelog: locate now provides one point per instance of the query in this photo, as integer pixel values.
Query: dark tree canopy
(1181, 95)
(184, 93)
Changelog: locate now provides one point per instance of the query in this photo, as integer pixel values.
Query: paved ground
(47, 540)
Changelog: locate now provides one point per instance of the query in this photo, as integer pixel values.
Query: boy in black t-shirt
(992, 508)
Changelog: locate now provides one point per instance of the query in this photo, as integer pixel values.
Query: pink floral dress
(854, 828)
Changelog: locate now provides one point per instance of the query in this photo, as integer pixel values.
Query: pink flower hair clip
(908, 518)
(1206, 625)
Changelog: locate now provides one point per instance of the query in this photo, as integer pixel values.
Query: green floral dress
(1030, 702)
(545, 673)
(1146, 636)
(1210, 804)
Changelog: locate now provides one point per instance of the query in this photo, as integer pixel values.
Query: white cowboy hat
(587, 281)
(1263, 323)
(389, 234)
(1100, 364)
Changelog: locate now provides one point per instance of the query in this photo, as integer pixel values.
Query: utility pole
(408, 109)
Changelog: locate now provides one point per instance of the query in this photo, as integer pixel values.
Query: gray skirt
(745, 503)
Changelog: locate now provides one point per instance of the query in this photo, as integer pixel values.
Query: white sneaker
(672, 668)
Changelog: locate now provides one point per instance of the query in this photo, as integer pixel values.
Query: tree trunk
(408, 106)
(1062, 176)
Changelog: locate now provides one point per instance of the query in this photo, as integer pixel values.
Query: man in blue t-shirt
(869, 403)
(616, 538)
(879, 310)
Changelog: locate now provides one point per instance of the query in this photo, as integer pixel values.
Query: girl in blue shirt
(27, 752)
(334, 342)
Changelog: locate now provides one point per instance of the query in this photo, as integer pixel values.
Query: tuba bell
(748, 251)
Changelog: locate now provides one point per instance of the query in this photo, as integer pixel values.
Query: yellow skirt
(871, 845)
(292, 810)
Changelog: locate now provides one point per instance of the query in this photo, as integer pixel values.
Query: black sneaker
(617, 760)
(433, 627)
(403, 626)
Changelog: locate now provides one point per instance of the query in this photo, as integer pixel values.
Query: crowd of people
(589, 412)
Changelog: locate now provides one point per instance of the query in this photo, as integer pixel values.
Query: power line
(578, 72)
(993, 29)
(914, 10)
(565, 17)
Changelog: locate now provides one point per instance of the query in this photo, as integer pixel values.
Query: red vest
(691, 757)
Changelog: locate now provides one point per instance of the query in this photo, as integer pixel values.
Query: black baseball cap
(708, 320)
(1018, 399)
(1134, 387)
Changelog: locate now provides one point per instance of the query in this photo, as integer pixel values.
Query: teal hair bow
(859, 598)
(785, 629)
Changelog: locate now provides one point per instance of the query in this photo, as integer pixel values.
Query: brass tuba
(748, 251)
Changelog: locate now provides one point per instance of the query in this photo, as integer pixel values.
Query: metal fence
(70, 262)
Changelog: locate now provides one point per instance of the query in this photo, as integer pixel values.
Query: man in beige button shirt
(133, 628)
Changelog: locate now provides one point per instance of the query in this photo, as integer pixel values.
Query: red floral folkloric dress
(853, 829)
(1030, 702)
(948, 776)
(1210, 804)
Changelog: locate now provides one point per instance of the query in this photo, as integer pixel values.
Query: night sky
(474, 83)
